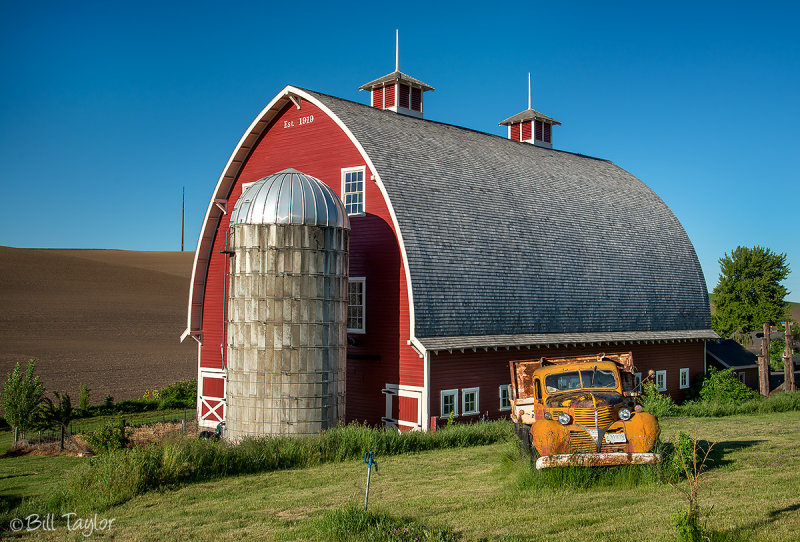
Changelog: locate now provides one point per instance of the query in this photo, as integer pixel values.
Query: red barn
(467, 250)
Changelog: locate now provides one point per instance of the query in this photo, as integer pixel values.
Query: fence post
(788, 360)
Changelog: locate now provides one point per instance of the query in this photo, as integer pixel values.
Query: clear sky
(107, 109)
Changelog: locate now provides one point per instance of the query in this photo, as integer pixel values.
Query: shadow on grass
(750, 531)
(717, 458)
(9, 503)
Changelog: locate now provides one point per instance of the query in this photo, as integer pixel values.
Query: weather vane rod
(396, 49)
(529, 90)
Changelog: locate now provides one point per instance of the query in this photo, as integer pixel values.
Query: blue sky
(108, 108)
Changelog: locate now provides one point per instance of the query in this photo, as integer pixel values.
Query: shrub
(182, 394)
(108, 438)
(655, 402)
(724, 387)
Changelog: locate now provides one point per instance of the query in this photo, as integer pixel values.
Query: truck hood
(583, 399)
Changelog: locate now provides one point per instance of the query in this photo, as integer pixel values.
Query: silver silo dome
(290, 197)
(287, 306)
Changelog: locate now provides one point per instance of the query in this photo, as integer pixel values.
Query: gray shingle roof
(731, 354)
(395, 76)
(528, 114)
(506, 238)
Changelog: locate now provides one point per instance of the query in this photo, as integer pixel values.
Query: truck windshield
(572, 380)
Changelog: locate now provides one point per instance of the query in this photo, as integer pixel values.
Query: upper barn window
(353, 190)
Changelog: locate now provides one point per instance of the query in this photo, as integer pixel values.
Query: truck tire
(524, 434)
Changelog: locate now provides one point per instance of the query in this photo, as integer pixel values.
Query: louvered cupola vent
(530, 126)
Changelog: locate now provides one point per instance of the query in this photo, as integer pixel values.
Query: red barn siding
(321, 149)
(489, 370)
(515, 132)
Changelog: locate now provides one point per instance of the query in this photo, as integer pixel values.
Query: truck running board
(597, 460)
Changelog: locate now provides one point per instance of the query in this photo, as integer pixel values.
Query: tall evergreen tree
(749, 292)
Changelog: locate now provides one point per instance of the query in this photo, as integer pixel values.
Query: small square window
(469, 401)
(505, 397)
(741, 377)
(449, 403)
(353, 190)
(356, 296)
(684, 378)
(661, 380)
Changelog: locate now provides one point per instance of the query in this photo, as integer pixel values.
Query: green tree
(749, 290)
(57, 414)
(21, 398)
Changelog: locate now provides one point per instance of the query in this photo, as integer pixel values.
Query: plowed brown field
(109, 318)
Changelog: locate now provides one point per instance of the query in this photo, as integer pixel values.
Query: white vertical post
(529, 90)
(397, 49)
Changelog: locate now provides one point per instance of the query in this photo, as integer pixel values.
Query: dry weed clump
(156, 432)
(74, 446)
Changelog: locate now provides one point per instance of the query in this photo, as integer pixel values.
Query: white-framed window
(684, 378)
(353, 190)
(469, 401)
(637, 382)
(661, 380)
(356, 305)
(449, 403)
(741, 377)
(505, 397)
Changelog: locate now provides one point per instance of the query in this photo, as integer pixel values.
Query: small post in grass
(369, 459)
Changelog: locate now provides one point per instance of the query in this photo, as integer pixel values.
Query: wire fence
(82, 426)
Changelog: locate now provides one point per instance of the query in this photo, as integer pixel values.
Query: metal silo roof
(290, 197)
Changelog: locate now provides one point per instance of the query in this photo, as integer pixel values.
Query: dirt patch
(109, 318)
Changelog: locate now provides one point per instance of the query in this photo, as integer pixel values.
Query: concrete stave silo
(287, 307)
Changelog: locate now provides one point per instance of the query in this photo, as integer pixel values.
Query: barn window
(661, 380)
(449, 403)
(684, 378)
(505, 402)
(353, 190)
(356, 297)
(741, 377)
(469, 401)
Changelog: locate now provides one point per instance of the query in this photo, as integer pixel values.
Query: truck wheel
(524, 434)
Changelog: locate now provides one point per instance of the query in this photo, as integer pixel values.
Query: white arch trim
(228, 178)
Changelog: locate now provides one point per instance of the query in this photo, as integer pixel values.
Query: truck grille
(585, 417)
(581, 442)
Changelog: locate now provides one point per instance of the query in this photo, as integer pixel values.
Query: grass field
(480, 493)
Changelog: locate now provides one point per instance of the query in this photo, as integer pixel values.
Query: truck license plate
(615, 438)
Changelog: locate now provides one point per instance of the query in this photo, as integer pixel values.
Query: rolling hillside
(109, 318)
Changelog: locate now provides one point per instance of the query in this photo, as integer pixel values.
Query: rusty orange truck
(582, 411)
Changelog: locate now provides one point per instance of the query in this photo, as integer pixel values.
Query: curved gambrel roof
(502, 238)
(506, 238)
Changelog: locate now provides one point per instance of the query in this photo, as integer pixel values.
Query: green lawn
(754, 488)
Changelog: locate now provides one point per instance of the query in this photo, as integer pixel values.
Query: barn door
(403, 407)
(212, 399)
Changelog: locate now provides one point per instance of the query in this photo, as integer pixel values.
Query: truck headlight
(624, 414)
(564, 418)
